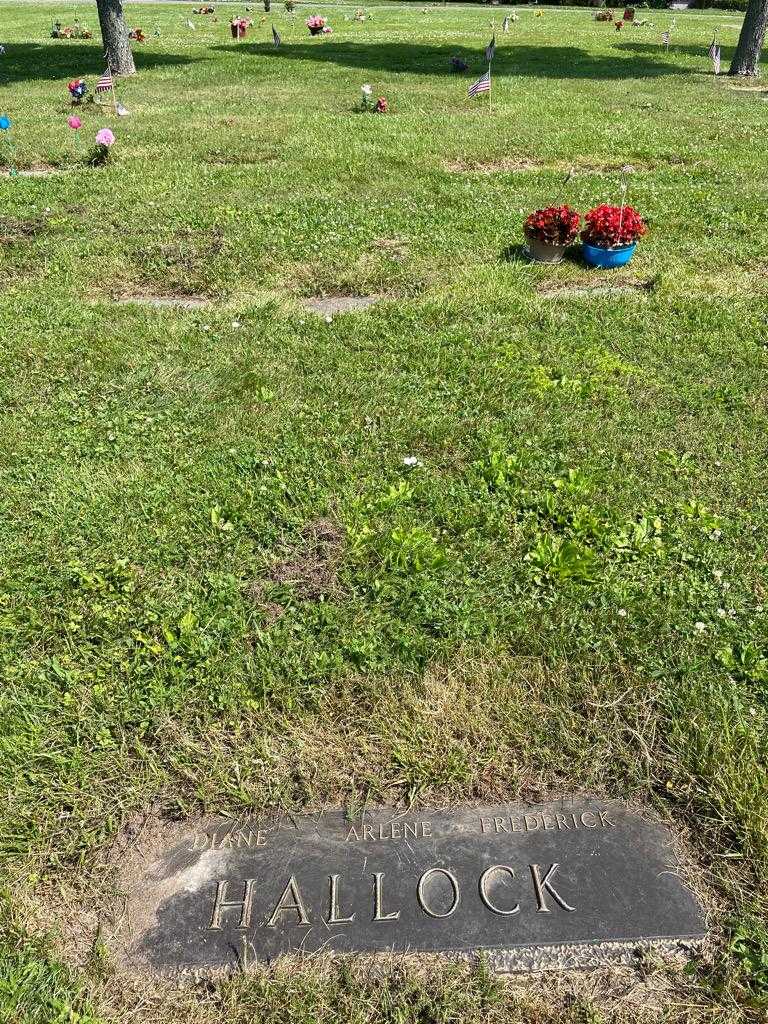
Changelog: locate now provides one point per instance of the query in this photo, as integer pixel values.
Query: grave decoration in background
(239, 26)
(137, 35)
(76, 31)
(315, 24)
(605, 15)
(102, 151)
(290, 6)
(382, 105)
(7, 147)
(458, 65)
(77, 90)
(204, 10)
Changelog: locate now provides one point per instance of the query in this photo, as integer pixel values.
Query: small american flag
(713, 48)
(481, 85)
(104, 84)
(276, 37)
(716, 60)
(665, 39)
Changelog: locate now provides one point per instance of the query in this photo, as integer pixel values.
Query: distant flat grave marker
(339, 304)
(164, 301)
(569, 884)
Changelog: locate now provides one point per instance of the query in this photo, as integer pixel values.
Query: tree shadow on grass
(511, 61)
(61, 60)
(726, 52)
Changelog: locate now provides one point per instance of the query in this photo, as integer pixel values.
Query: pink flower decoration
(74, 122)
(104, 137)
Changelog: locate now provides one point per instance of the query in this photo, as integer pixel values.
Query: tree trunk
(746, 60)
(114, 33)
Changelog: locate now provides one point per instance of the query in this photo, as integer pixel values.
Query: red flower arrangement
(382, 106)
(239, 26)
(315, 24)
(555, 225)
(611, 227)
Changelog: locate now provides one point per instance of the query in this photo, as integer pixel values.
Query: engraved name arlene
(438, 893)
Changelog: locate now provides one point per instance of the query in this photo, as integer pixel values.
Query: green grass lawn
(221, 587)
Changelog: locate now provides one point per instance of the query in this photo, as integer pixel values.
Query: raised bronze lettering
(333, 912)
(540, 884)
(454, 885)
(378, 901)
(484, 892)
(221, 903)
(292, 890)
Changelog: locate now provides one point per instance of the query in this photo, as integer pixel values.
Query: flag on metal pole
(104, 84)
(483, 84)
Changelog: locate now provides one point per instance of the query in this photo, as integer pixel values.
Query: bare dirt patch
(14, 229)
(395, 248)
(507, 165)
(35, 171)
(309, 568)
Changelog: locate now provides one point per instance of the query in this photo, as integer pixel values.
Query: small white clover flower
(721, 613)
(622, 612)
(411, 462)
(699, 626)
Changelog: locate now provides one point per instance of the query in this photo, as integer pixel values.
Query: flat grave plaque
(573, 883)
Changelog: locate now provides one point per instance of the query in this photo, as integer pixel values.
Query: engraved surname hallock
(233, 905)
(362, 833)
(546, 821)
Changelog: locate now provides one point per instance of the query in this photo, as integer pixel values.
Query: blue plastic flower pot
(597, 257)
